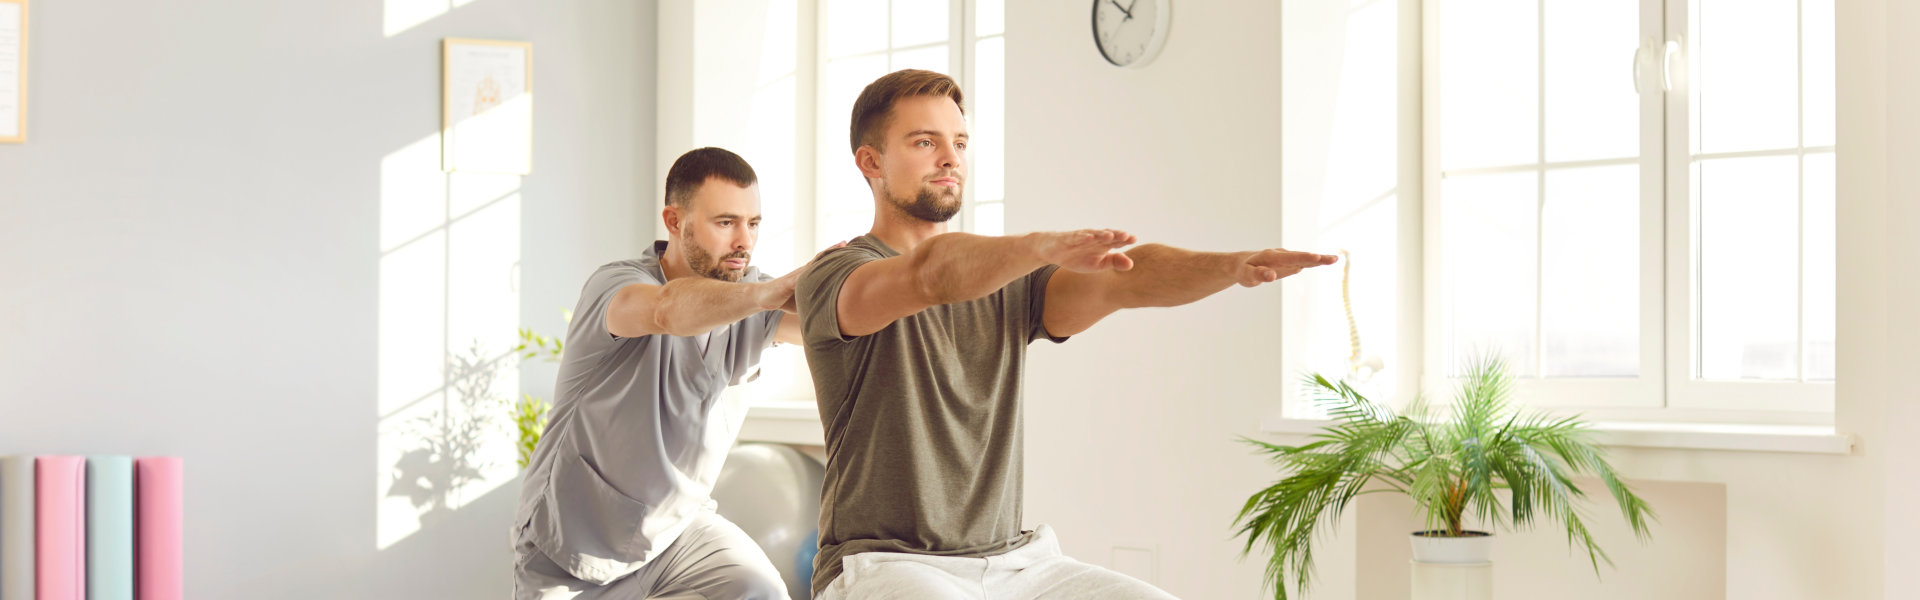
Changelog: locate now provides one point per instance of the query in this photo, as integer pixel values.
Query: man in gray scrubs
(917, 341)
(615, 503)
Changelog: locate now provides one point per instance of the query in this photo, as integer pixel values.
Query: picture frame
(486, 108)
(13, 71)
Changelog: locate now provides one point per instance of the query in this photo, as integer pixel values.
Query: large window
(1653, 237)
(1632, 203)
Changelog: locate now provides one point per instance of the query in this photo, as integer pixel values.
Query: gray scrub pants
(712, 560)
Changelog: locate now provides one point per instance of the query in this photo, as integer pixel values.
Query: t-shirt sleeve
(819, 293)
(1037, 304)
(600, 291)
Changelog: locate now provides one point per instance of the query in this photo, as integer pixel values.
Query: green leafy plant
(1451, 467)
(529, 414)
(530, 419)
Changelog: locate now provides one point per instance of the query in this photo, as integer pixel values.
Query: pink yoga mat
(60, 534)
(159, 499)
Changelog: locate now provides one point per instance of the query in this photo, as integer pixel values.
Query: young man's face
(718, 228)
(923, 162)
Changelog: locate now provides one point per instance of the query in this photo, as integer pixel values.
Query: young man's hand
(1267, 266)
(1086, 250)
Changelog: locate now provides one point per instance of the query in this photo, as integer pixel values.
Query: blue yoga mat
(109, 528)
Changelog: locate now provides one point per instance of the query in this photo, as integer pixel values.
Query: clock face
(1129, 32)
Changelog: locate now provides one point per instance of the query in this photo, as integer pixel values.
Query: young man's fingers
(1288, 258)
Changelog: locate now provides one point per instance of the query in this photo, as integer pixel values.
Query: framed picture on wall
(13, 71)
(486, 107)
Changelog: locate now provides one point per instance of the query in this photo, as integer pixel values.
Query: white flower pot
(1475, 547)
(1452, 568)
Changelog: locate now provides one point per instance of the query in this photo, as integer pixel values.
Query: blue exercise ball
(772, 492)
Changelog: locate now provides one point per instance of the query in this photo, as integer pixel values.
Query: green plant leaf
(1451, 468)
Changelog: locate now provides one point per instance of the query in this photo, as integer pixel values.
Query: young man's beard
(705, 265)
(927, 205)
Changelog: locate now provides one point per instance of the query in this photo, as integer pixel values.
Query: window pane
(1592, 110)
(770, 151)
(1489, 88)
(931, 59)
(1816, 26)
(1351, 310)
(836, 228)
(781, 31)
(854, 27)
(989, 17)
(840, 84)
(988, 100)
(917, 22)
(1819, 285)
(1748, 243)
(1362, 123)
(1746, 83)
(1489, 268)
(841, 188)
(1590, 274)
(990, 219)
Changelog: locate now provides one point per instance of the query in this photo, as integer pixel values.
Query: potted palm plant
(1451, 466)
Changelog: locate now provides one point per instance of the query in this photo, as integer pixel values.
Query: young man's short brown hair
(875, 105)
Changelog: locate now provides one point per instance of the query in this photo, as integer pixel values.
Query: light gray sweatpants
(711, 560)
(1036, 571)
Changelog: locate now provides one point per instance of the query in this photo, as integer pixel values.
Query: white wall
(1131, 425)
(1891, 323)
(191, 258)
(1685, 560)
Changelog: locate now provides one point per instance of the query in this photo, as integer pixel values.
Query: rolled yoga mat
(60, 543)
(158, 560)
(16, 528)
(109, 528)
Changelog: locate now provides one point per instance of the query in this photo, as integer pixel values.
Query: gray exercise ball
(773, 493)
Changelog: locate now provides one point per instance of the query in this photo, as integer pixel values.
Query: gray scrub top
(637, 433)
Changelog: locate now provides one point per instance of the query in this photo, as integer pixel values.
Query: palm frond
(1451, 467)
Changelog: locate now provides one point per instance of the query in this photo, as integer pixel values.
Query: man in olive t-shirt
(917, 342)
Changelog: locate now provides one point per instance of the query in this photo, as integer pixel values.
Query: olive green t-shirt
(922, 418)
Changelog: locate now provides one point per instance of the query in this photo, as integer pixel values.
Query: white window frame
(1810, 401)
(1666, 389)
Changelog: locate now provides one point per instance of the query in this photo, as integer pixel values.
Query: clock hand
(1123, 10)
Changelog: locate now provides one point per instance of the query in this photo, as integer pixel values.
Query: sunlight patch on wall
(401, 15)
(449, 310)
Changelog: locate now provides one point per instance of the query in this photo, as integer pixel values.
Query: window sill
(798, 422)
(783, 422)
(1800, 439)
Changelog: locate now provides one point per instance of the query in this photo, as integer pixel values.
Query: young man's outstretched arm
(957, 267)
(1163, 276)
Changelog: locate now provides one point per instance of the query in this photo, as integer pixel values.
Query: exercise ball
(772, 492)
